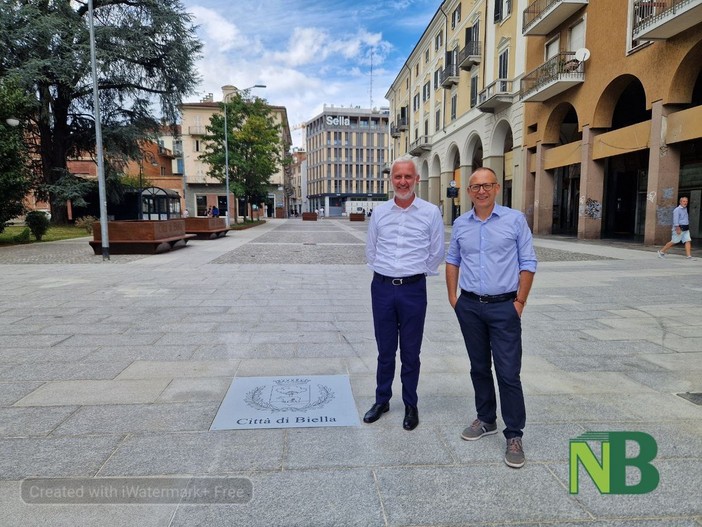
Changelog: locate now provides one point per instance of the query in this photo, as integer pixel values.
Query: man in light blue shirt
(492, 259)
(405, 243)
(681, 230)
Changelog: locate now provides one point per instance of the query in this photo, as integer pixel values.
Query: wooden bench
(206, 228)
(142, 236)
(309, 216)
(357, 216)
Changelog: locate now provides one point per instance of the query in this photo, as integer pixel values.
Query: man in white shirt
(405, 244)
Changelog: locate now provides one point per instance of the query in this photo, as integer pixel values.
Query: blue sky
(307, 53)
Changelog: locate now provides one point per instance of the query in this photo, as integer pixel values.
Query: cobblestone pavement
(117, 371)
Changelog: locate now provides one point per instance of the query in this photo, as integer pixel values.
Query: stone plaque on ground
(287, 402)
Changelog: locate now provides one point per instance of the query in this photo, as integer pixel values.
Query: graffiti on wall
(592, 209)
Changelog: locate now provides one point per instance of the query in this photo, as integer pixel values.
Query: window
(426, 91)
(473, 90)
(456, 17)
(503, 8)
(416, 70)
(503, 69)
(454, 99)
(415, 105)
(437, 123)
(197, 145)
(439, 41)
(437, 77)
(552, 48)
(576, 36)
(426, 55)
(426, 127)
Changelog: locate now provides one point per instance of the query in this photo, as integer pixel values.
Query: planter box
(142, 236)
(309, 216)
(357, 216)
(206, 228)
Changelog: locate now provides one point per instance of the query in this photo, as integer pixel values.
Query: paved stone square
(117, 369)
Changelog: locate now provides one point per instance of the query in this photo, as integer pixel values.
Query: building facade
(613, 116)
(298, 181)
(455, 103)
(203, 191)
(346, 153)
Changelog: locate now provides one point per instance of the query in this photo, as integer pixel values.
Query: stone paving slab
(198, 453)
(87, 392)
(452, 495)
(63, 457)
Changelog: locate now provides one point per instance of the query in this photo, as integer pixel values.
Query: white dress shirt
(405, 242)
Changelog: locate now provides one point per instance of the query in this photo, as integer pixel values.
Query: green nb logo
(609, 474)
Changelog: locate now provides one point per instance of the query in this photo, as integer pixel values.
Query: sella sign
(338, 121)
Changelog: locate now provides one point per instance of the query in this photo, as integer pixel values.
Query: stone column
(527, 185)
(497, 164)
(663, 180)
(592, 174)
(463, 194)
(434, 194)
(543, 194)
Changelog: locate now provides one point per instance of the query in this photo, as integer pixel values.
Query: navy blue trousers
(398, 316)
(493, 334)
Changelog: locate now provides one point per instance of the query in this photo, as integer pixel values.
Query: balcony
(659, 20)
(449, 76)
(197, 130)
(469, 56)
(543, 16)
(394, 131)
(423, 144)
(402, 124)
(496, 97)
(554, 76)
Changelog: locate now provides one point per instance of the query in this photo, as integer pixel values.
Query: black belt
(490, 299)
(399, 281)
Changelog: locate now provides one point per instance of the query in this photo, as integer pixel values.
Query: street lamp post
(102, 193)
(226, 149)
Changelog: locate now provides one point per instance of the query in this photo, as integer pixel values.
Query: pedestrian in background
(492, 259)
(405, 243)
(681, 230)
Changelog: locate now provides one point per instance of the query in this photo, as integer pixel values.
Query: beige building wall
(470, 115)
(630, 164)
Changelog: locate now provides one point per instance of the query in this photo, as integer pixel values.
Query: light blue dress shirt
(680, 216)
(490, 254)
(405, 242)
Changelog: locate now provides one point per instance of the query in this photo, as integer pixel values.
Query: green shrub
(38, 223)
(22, 237)
(86, 222)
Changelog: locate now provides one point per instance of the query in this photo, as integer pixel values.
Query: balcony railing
(449, 76)
(543, 16)
(663, 19)
(557, 74)
(423, 144)
(402, 124)
(470, 55)
(496, 97)
(394, 131)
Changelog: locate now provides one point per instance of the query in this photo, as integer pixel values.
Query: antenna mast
(371, 79)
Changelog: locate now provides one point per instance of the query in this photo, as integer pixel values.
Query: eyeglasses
(487, 187)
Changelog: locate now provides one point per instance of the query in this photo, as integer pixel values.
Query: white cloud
(217, 31)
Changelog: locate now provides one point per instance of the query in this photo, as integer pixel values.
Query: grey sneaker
(514, 456)
(661, 254)
(478, 429)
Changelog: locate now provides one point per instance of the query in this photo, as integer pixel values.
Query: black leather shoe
(411, 418)
(375, 412)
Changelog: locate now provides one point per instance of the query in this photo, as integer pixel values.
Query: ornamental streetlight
(226, 147)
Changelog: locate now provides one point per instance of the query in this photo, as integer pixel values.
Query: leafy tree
(146, 52)
(254, 144)
(15, 181)
(38, 223)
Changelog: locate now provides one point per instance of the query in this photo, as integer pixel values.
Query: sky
(308, 53)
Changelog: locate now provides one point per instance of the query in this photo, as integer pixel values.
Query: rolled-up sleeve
(525, 246)
(436, 243)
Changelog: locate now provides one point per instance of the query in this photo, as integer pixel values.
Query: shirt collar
(496, 211)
